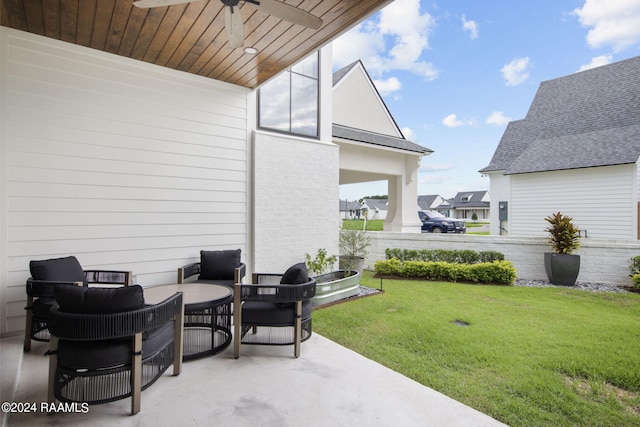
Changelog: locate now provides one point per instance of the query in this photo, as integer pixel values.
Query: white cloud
(395, 42)
(409, 134)
(470, 26)
(597, 62)
(432, 179)
(436, 167)
(452, 121)
(516, 72)
(498, 118)
(614, 23)
(387, 86)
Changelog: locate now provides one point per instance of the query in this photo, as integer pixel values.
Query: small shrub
(500, 272)
(634, 265)
(490, 256)
(321, 263)
(466, 256)
(636, 280)
(388, 267)
(354, 243)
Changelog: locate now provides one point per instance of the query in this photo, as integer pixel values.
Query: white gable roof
(357, 104)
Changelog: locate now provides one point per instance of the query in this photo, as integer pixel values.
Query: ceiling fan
(234, 25)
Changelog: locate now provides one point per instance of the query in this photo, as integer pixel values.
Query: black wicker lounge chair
(276, 309)
(45, 274)
(216, 267)
(107, 345)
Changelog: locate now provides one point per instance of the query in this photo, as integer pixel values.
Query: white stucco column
(403, 200)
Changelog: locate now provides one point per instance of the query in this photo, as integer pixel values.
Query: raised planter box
(335, 286)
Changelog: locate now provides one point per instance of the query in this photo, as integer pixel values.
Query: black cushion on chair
(272, 314)
(80, 299)
(295, 275)
(66, 269)
(218, 264)
(41, 307)
(107, 353)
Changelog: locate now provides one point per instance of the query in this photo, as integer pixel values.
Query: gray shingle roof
(346, 132)
(425, 202)
(339, 74)
(381, 204)
(348, 205)
(586, 119)
(474, 200)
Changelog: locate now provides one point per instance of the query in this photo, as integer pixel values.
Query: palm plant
(564, 236)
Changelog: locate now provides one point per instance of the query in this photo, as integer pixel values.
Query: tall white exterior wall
(123, 164)
(600, 201)
(295, 208)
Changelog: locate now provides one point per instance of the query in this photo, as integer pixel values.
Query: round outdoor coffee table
(207, 316)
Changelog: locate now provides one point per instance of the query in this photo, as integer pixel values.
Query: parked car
(435, 222)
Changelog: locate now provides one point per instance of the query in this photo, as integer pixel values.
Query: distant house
(577, 151)
(349, 209)
(377, 208)
(467, 203)
(435, 202)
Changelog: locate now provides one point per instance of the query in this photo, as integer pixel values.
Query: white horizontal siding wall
(123, 164)
(600, 201)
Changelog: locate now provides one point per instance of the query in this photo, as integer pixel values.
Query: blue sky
(454, 73)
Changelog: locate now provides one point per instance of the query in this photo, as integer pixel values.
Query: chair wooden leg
(237, 319)
(29, 325)
(53, 365)
(298, 330)
(136, 374)
(178, 343)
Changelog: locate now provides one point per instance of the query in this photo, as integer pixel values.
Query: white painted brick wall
(602, 261)
(296, 192)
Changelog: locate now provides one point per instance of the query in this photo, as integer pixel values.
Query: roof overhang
(189, 37)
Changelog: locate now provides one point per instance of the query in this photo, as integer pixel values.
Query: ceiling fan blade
(158, 3)
(234, 26)
(288, 13)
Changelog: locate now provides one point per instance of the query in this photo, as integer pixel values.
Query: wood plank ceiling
(188, 37)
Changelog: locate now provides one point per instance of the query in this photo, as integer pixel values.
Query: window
(289, 103)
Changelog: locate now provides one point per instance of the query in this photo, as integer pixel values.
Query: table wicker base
(207, 316)
(207, 331)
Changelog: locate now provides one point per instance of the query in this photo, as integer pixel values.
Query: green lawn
(356, 224)
(529, 357)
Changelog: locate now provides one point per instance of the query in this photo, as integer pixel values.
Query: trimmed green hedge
(497, 272)
(444, 255)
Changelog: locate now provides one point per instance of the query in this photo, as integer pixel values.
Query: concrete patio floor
(329, 385)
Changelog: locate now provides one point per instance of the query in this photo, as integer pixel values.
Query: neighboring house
(372, 147)
(577, 151)
(377, 208)
(467, 203)
(352, 209)
(133, 139)
(349, 209)
(435, 202)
